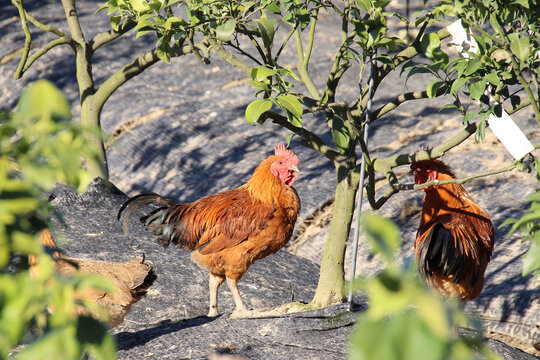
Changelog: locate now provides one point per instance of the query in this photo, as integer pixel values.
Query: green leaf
(495, 24)
(94, 337)
(470, 115)
(288, 140)
(531, 260)
(290, 103)
(433, 87)
(289, 72)
(458, 83)
(473, 66)
(402, 336)
(164, 49)
(430, 43)
(493, 79)
(57, 344)
(259, 85)
(340, 133)
(524, 3)
(477, 89)
(256, 108)
(42, 100)
(225, 30)
(364, 5)
(382, 234)
(273, 7)
(139, 5)
(266, 28)
(449, 106)
(262, 73)
(292, 107)
(480, 134)
(520, 48)
(115, 22)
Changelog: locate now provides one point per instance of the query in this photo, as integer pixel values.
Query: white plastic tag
(462, 40)
(510, 135)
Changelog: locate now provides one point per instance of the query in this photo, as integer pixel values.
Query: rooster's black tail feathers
(137, 202)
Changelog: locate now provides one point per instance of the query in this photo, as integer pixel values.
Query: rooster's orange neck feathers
(263, 185)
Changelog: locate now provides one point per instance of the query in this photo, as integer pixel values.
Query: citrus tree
(251, 35)
(93, 96)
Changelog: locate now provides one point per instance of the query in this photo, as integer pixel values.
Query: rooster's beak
(294, 168)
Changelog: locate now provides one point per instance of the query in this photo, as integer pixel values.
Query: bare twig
(398, 100)
(427, 184)
(43, 50)
(27, 39)
(385, 166)
(311, 139)
(110, 35)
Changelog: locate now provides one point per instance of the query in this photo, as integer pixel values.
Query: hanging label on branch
(506, 130)
(461, 39)
(510, 135)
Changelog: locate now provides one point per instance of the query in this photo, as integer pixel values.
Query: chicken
(130, 280)
(228, 231)
(454, 241)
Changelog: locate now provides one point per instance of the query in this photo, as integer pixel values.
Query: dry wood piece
(130, 280)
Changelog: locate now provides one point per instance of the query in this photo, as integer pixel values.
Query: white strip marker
(462, 40)
(510, 135)
(503, 127)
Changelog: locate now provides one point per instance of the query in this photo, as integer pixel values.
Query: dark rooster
(228, 231)
(454, 242)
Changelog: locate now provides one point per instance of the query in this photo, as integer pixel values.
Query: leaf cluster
(529, 224)
(502, 67)
(39, 147)
(405, 319)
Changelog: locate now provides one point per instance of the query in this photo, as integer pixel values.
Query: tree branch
(339, 67)
(386, 165)
(73, 21)
(303, 61)
(26, 62)
(311, 140)
(398, 100)
(27, 39)
(37, 23)
(132, 69)
(228, 57)
(110, 35)
(406, 54)
(42, 51)
(456, 181)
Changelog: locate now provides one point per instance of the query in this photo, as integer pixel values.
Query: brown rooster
(129, 279)
(228, 231)
(454, 242)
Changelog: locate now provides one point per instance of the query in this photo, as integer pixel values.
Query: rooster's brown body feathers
(454, 241)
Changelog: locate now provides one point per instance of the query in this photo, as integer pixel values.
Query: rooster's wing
(212, 223)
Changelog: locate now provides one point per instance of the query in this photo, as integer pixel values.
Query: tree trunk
(90, 115)
(90, 118)
(331, 278)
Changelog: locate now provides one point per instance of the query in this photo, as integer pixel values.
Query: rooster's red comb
(281, 150)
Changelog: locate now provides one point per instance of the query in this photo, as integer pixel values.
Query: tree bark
(331, 279)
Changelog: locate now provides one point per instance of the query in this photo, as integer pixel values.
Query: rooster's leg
(236, 295)
(214, 282)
